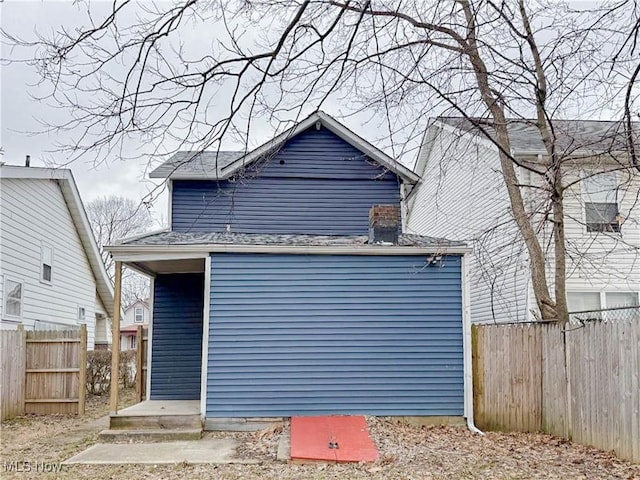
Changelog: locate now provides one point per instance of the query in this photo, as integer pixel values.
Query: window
(132, 342)
(46, 263)
(614, 304)
(583, 301)
(601, 203)
(139, 315)
(81, 315)
(621, 299)
(13, 298)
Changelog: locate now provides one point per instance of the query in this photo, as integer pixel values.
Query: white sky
(22, 115)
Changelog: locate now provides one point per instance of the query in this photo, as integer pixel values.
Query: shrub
(98, 372)
(128, 368)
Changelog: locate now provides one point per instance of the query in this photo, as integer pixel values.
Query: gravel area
(406, 452)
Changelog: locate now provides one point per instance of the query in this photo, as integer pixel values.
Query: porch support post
(115, 338)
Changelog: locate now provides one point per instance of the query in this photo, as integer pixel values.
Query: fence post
(139, 364)
(477, 374)
(567, 371)
(82, 373)
(23, 367)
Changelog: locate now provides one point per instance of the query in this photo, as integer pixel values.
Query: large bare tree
(113, 218)
(139, 71)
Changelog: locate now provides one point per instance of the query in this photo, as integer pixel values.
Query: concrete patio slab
(212, 451)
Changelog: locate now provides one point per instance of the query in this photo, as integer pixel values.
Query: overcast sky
(22, 115)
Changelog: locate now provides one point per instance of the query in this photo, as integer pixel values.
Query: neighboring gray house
(462, 196)
(51, 272)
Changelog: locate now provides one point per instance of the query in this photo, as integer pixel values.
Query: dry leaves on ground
(406, 453)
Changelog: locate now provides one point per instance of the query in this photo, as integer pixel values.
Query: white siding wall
(598, 261)
(32, 212)
(462, 197)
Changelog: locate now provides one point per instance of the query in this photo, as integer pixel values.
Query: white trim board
(205, 337)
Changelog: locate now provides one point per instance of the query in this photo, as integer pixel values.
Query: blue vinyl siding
(316, 184)
(176, 357)
(308, 335)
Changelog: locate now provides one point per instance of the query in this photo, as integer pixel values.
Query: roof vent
(384, 224)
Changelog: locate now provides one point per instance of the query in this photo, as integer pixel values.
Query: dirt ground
(406, 452)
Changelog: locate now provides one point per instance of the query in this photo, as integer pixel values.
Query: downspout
(466, 346)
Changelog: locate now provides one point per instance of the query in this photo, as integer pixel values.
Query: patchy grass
(406, 452)
(53, 438)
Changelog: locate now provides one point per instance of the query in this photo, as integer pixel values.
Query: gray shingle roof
(196, 238)
(193, 163)
(572, 135)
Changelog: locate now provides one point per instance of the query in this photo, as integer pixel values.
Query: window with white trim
(82, 315)
(138, 315)
(601, 203)
(590, 301)
(12, 298)
(132, 342)
(46, 263)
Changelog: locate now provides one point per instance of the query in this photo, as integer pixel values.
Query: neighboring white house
(462, 196)
(51, 272)
(136, 314)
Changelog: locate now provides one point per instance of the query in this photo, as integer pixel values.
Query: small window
(46, 261)
(601, 203)
(81, 315)
(132, 342)
(139, 315)
(13, 298)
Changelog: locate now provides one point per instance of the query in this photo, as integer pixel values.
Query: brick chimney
(384, 224)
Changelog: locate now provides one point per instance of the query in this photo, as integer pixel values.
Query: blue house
(285, 285)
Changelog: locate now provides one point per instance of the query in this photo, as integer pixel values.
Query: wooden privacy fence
(142, 344)
(574, 381)
(43, 372)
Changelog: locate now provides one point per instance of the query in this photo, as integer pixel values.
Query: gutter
(467, 346)
(202, 250)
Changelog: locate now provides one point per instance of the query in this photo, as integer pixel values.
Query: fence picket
(521, 382)
(43, 371)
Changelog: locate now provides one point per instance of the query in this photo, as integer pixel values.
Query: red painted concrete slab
(312, 438)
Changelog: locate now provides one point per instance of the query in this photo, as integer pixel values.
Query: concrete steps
(150, 435)
(154, 422)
